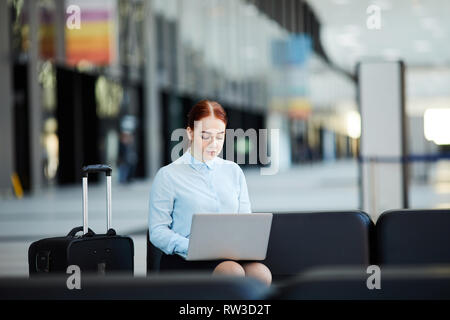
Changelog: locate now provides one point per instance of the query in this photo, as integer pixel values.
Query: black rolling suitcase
(92, 253)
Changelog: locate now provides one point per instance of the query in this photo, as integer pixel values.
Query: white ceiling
(416, 31)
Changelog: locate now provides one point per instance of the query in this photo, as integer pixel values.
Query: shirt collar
(197, 164)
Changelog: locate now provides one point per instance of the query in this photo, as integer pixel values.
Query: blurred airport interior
(359, 92)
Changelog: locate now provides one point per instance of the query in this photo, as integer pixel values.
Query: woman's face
(207, 138)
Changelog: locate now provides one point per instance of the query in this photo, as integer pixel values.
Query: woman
(199, 181)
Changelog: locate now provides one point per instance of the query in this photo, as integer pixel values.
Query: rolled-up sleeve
(244, 200)
(160, 217)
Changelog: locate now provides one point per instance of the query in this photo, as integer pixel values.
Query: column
(152, 121)
(381, 89)
(35, 100)
(6, 111)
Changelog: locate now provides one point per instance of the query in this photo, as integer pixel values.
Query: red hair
(206, 108)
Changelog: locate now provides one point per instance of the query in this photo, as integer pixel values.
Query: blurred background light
(436, 125)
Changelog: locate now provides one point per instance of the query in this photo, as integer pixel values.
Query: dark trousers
(174, 262)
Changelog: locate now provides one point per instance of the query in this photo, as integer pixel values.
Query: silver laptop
(241, 236)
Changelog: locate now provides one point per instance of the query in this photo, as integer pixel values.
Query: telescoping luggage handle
(91, 169)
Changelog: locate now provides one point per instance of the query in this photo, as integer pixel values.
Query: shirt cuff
(181, 247)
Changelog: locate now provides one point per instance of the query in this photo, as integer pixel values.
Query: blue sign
(294, 51)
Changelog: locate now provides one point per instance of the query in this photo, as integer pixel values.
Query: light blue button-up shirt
(188, 186)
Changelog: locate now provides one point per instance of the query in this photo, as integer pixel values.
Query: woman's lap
(175, 262)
